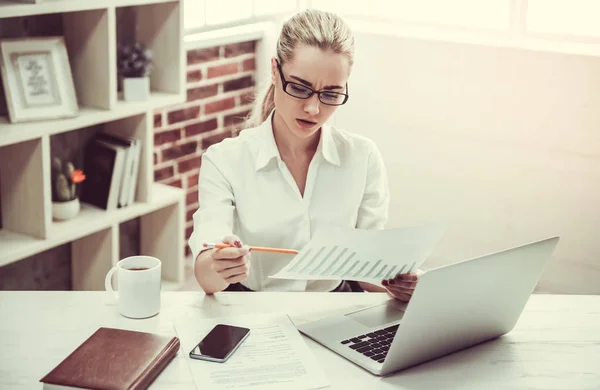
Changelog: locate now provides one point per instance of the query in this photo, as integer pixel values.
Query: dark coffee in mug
(138, 269)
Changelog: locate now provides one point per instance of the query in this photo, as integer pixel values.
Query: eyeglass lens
(302, 92)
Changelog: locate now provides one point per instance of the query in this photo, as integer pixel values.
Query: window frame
(516, 35)
(254, 19)
(517, 29)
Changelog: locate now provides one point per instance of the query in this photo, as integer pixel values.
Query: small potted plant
(65, 180)
(134, 64)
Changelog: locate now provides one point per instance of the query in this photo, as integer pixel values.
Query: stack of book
(111, 167)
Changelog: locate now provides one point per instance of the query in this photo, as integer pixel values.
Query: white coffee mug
(138, 281)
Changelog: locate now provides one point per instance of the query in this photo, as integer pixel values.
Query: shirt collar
(268, 148)
(327, 146)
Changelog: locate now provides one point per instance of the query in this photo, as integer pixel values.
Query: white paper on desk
(274, 356)
(362, 255)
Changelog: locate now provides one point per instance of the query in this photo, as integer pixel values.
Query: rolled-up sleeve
(214, 218)
(373, 210)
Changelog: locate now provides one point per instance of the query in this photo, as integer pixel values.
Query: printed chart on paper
(362, 255)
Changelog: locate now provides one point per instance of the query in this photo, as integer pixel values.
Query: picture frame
(37, 79)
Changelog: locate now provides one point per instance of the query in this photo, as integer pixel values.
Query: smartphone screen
(219, 343)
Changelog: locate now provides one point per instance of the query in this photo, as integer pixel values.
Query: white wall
(503, 144)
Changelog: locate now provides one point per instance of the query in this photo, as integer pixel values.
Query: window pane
(193, 14)
(223, 11)
(494, 14)
(344, 6)
(570, 17)
(269, 7)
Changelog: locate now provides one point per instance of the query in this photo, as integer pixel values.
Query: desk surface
(555, 345)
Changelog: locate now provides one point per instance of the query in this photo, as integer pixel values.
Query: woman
(276, 183)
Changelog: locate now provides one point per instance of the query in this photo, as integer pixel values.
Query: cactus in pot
(65, 203)
(64, 180)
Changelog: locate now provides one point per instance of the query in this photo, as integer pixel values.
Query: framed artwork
(37, 79)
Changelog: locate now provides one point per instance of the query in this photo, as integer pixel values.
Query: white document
(274, 356)
(362, 255)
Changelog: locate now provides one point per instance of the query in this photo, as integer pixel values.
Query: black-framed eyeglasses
(301, 91)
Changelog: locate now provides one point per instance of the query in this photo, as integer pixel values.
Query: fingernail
(392, 281)
(385, 282)
(237, 243)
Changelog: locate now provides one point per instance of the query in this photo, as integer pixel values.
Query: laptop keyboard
(375, 344)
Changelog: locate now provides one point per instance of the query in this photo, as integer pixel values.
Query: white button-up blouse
(246, 189)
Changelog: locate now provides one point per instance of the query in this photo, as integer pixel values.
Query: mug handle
(108, 281)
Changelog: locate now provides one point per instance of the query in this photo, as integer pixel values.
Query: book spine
(136, 168)
(157, 366)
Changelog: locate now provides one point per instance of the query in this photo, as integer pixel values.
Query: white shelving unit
(90, 33)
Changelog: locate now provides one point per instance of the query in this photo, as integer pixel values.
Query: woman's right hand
(231, 264)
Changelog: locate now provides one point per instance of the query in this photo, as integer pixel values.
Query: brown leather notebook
(114, 359)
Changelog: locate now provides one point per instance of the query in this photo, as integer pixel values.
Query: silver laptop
(453, 307)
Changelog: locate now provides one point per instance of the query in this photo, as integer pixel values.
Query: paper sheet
(362, 255)
(274, 356)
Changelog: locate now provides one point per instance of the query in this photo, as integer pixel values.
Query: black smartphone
(220, 343)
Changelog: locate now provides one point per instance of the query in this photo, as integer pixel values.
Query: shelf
(12, 9)
(92, 30)
(12, 133)
(14, 246)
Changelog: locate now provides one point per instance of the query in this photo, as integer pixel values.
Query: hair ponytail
(263, 105)
(268, 103)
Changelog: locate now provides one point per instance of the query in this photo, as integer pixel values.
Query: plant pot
(65, 210)
(136, 88)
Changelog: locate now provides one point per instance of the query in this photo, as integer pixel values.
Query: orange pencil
(255, 248)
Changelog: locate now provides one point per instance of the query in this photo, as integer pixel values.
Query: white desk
(555, 345)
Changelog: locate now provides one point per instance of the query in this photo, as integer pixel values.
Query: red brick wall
(220, 82)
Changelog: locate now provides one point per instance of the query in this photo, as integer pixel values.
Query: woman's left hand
(402, 286)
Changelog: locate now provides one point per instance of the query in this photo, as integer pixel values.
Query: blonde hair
(323, 30)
